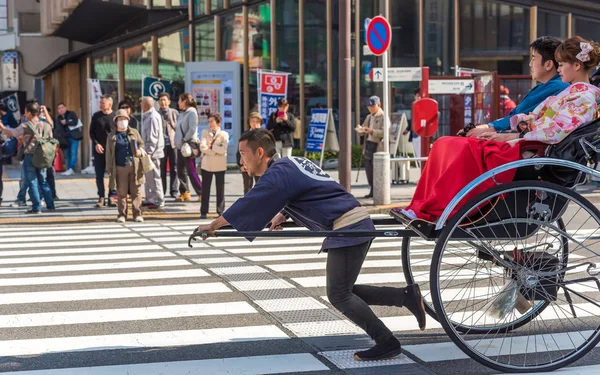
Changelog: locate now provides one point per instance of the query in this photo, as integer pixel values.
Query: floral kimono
(456, 161)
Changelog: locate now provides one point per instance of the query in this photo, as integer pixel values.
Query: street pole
(345, 95)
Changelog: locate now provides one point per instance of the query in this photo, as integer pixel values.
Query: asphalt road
(134, 299)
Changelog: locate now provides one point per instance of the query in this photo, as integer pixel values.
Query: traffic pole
(381, 161)
(345, 96)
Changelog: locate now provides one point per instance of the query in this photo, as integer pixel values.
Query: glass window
(140, 2)
(487, 25)
(438, 44)
(552, 24)
(159, 3)
(234, 2)
(217, 5)
(204, 42)
(105, 70)
(173, 52)
(138, 63)
(179, 3)
(287, 50)
(315, 56)
(587, 28)
(199, 7)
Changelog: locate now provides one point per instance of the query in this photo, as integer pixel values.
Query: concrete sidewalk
(78, 195)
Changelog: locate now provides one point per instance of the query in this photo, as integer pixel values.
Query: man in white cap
(373, 128)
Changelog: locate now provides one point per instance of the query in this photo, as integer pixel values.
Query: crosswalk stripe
(79, 250)
(140, 340)
(530, 344)
(576, 370)
(29, 230)
(104, 277)
(25, 244)
(128, 314)
(81, 258)
(254, 285)
(238, 270)
(61, 238)
(94, 266)
(80, 231)
(256, 365)
(112, 293)
(290, 304)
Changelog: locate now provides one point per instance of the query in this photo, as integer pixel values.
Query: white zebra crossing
(138, 255)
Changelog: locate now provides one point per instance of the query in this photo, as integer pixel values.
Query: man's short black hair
(124, 104)
(260, 138)
(33, 107)
(61, 103)
(162, 94)
(546, 46)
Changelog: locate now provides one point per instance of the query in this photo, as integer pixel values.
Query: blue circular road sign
(379, 35)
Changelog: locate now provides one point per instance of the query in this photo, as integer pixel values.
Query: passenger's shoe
(139, 219)
(146, 204)
(413, 301)
(32, 212)
(69, 172)
(100, 203)
(55, 198)
(370, 195)
(203, 216)
(121, 219)
(18, 204)
(185, 197)
(385, 350)
(111, 202)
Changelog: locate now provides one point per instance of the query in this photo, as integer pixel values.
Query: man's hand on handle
(277, 221)
(208, 230)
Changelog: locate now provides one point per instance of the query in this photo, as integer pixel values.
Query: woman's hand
(499, 137)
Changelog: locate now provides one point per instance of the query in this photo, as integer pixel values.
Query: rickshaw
(514, 277)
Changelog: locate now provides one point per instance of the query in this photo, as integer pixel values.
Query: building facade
(124, 40)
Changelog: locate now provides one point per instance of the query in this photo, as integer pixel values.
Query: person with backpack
(39, 153)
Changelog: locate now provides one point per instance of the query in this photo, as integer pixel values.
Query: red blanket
(452, 164)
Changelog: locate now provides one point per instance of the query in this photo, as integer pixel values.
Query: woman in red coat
(456, 161)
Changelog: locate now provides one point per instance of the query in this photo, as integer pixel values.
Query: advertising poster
(214, 94)
(216, 87)
(10, 71)
(258, 45)
(272, 87)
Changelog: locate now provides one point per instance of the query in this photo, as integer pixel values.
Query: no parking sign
(379, 35)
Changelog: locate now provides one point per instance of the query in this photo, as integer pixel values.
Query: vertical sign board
(216, 87)
(272, 87)
(320, 121)
(10, 71)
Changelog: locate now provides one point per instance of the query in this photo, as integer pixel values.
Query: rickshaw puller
(294, 187)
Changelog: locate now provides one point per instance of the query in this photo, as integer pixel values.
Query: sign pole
(386, 105)
(324, 139)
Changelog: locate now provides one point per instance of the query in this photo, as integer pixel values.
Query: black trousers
(100, 168)
(51, 180)
(186, 168)
(171, 159)
(207, 178)
(343, 267)
(249, 181)
(369, 172)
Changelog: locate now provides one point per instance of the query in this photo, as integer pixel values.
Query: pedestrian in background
(124, 148)
(213, 146)
(186, 141)
(282, 124)
(35, 177)
(154, 141)
(50, 172)
(101, 126)
(68, 120)
(169, 122)
(126, 105)
(373, 129)
(254, 122)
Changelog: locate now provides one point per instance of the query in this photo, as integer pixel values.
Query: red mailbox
(425, 117)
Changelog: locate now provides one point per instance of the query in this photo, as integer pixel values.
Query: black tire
(452, 329)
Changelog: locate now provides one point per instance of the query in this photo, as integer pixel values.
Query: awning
(93, 20)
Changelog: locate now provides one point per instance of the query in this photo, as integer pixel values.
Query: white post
(381, 161)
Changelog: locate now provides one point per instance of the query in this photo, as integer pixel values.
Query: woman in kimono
(456, 161)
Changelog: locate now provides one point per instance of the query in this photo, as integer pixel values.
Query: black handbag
(578, 147)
